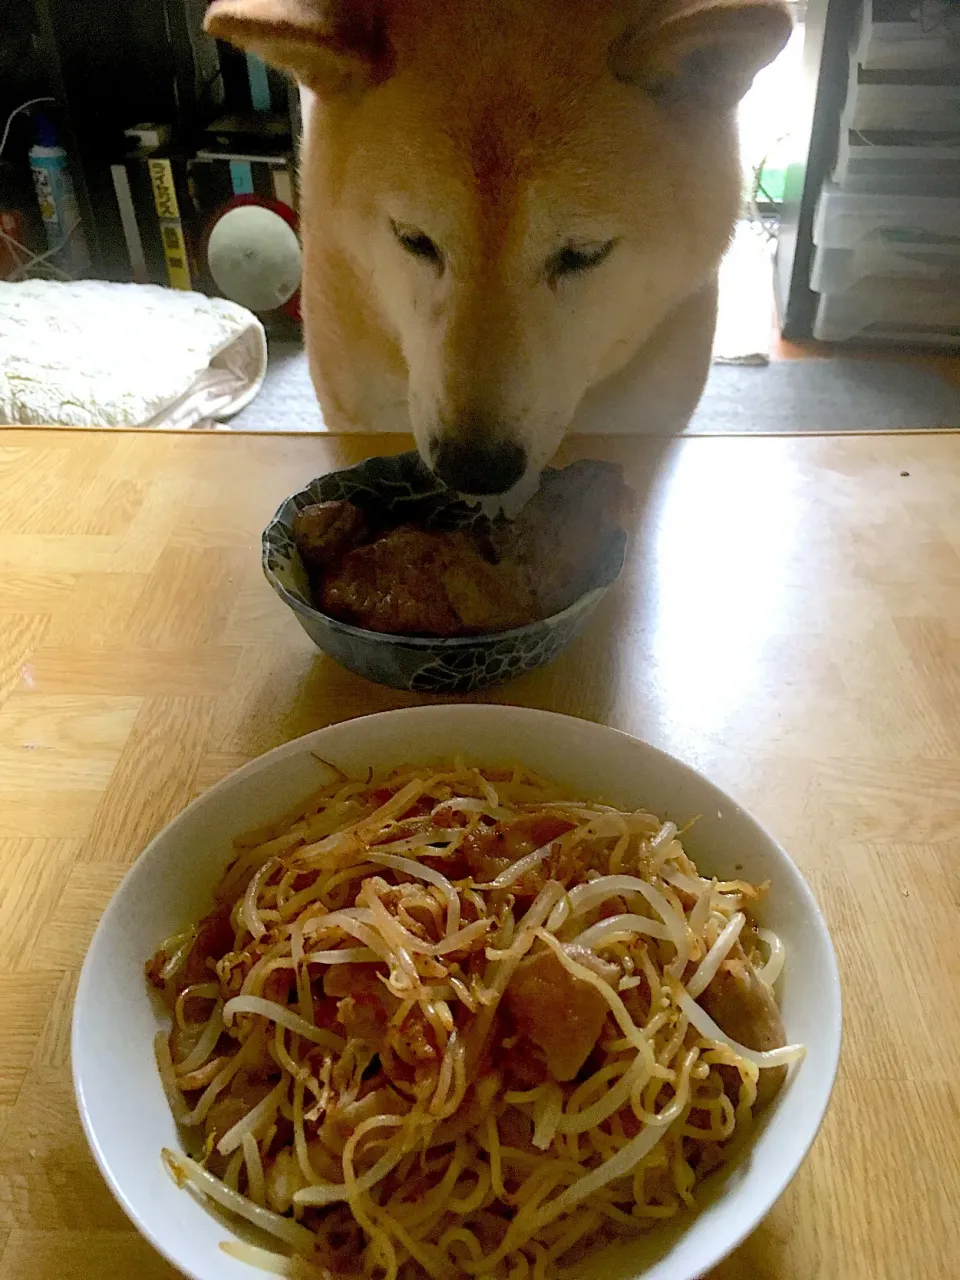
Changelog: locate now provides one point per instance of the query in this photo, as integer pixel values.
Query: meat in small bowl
(403, 582)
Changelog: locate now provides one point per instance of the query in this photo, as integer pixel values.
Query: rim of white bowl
(727, 1240)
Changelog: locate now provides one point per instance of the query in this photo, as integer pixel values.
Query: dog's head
(524, 189)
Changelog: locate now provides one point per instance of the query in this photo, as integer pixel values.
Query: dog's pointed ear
(706, 52)
(332, 46)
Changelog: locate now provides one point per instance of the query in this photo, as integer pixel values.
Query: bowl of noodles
(456, 991)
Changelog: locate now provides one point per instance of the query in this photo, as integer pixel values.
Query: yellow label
(171, 230)
(164, 192)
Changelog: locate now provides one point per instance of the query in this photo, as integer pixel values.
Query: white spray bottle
(57, 199)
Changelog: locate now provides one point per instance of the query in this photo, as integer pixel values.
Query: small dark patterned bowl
(405, 489)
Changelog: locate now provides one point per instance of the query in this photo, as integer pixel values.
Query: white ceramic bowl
(121, 1101)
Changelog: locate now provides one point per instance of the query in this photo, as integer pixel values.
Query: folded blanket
(89, 353)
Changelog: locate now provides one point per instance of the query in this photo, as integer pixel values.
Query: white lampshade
(254, 258)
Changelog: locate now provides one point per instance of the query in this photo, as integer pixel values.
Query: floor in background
(745, 310)
(788, 397)
(844, 394)
(286, 401)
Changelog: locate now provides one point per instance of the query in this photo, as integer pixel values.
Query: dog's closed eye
(574, 259)
(418, 244)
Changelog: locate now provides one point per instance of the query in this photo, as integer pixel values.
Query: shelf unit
(111, 66)
(871, 250)
(885, 267)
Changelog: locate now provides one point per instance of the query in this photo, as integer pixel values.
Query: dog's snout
(478, 467)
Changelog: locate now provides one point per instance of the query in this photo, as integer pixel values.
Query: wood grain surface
(788, 622)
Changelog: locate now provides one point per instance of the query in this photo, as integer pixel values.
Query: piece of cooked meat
(365, 1006)
(489, 851)
(744, 1007)
(560, 1013)
(562, 531)
(418, 582)
(325, 532)
(414, 581)
(214, 939)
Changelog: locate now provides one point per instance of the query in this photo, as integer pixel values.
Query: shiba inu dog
(511, 209)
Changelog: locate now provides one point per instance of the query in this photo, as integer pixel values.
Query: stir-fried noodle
(453, 1022)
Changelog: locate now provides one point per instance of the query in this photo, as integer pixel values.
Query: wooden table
(789, 622)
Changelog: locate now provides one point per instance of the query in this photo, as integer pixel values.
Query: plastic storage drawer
(908, 34)
(934, 108)
(834, 270)
(845, 219)
(904, 164)
(882, 310)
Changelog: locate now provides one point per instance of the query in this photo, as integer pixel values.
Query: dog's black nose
(476, 468)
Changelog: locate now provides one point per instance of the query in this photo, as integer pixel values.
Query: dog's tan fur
(506, 131)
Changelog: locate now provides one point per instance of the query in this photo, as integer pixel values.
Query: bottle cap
(44, 130)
